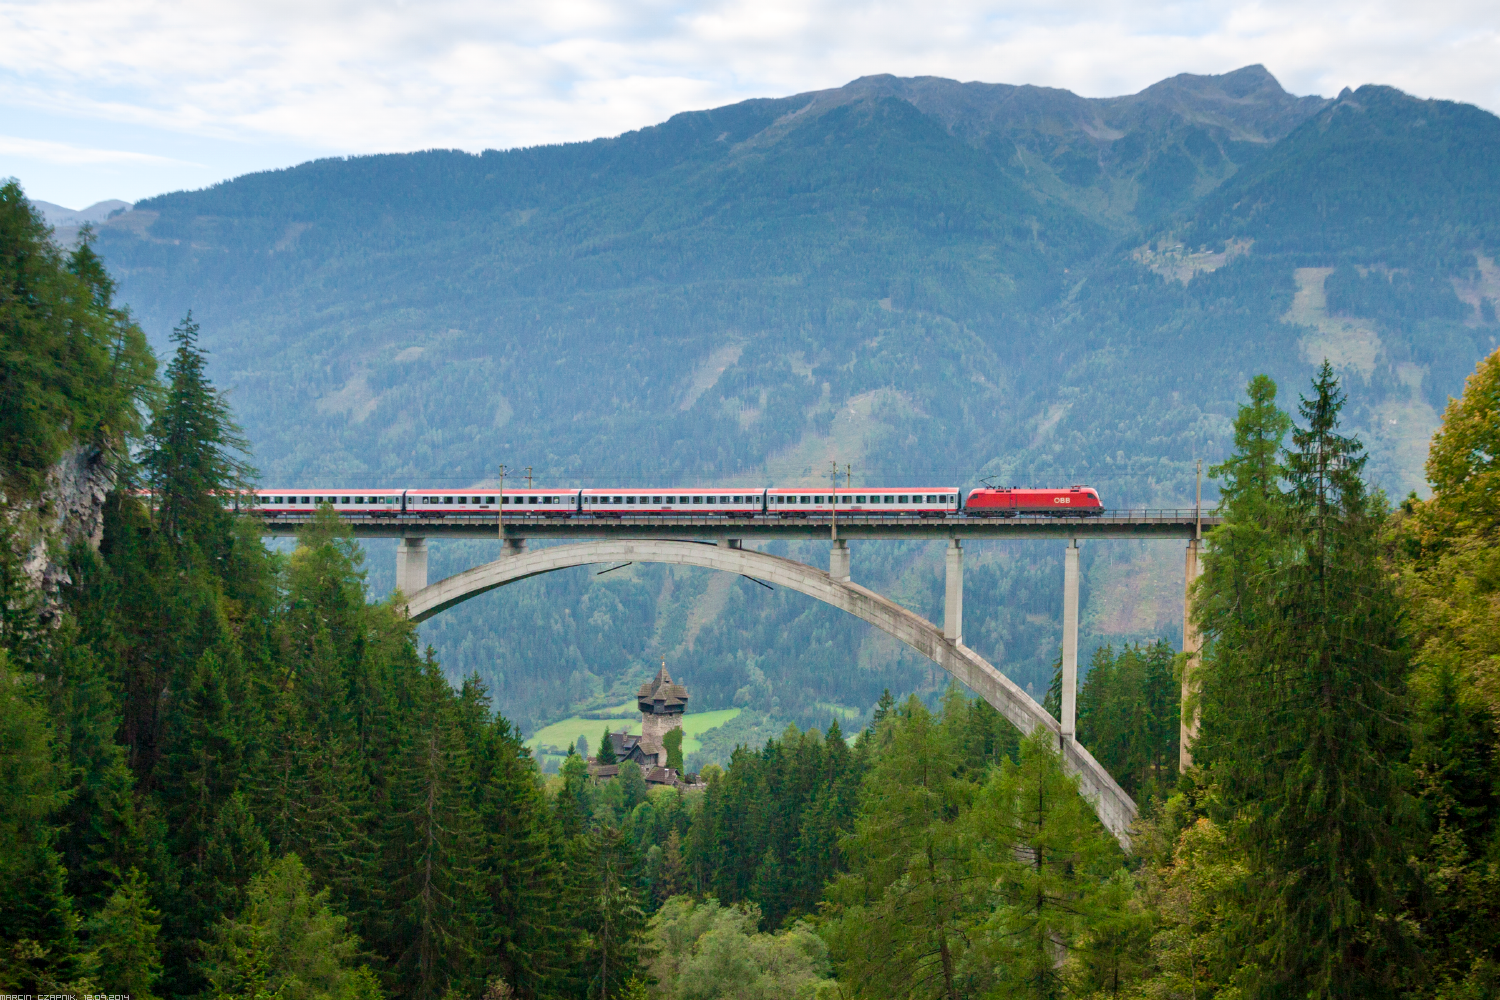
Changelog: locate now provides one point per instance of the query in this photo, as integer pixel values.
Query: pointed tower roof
(661, 695)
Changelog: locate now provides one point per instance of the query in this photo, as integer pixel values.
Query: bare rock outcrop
(70, 509)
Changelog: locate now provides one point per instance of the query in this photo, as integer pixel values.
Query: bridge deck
(1112, 524)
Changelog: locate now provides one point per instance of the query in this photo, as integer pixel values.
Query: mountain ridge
(750, 292)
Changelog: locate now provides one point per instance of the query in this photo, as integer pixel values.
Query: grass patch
(554, 739)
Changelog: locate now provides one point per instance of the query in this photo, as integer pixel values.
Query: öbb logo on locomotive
(729, 502)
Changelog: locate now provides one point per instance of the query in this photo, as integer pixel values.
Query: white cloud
(375, 75)
(63, 154)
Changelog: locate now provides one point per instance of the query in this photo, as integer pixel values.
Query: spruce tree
(123, 939)
(672, 879)
(434, 884)
(73, 367)
(524, 935)
(605, 896)
(38, 936)
(193, 449)
(1305, 724)
(606, 754)
(1050, 866)
(908, 906)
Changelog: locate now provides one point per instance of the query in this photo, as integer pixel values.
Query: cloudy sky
(127, 98)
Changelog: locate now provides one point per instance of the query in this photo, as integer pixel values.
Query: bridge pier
(513, 547)
(1192, 642)
(1069, 709)
(953, 596)
(411, 565)
(838, 561)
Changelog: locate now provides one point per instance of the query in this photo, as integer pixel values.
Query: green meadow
(554, 739)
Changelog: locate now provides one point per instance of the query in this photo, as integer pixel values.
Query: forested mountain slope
(921, 278)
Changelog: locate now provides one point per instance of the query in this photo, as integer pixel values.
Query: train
(726, 502)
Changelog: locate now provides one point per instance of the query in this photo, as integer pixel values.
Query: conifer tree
(1049, 864)
(910, 901)
(672, 880)
(1052, 701)
(434, 883)
(605, 896)
(606, 754)
(193, 447)
(38, 936)
(524, 935)
(1304, 725)
(102, 833)
(123, 939)
(289, 933)
(73, 367)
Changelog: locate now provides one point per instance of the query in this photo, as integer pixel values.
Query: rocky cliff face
(70, 509)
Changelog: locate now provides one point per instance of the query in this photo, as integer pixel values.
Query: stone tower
(661, 703)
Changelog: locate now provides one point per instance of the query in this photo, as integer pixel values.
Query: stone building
(662, 703)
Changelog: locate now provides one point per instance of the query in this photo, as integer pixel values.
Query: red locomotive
(1075, 501)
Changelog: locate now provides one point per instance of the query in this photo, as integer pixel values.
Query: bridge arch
(1116, 810)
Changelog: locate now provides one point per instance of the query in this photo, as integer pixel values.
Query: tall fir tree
(434, 881)
(1305, 721)
(908, 905)
(605, 895)
(123, 940)
(193, 456)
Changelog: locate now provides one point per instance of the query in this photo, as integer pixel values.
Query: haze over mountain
(921, 278)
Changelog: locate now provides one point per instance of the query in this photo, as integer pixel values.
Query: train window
(359, 499)
(904, 499)
(697, 499)
(804, 499)
(656, 501)
(711, 499)
(859, 499)
(630, 499)
(888, 498)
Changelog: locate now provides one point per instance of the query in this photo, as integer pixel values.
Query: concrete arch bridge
(706, 543)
